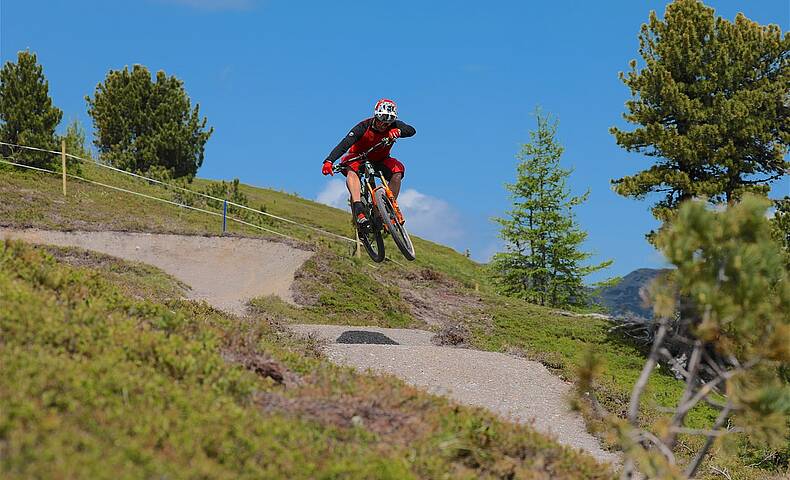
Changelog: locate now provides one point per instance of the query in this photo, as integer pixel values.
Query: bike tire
(373, 243)
(398, 232)
(371, 238)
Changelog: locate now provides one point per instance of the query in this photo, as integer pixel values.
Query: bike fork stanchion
(358, 253)
(224, 217)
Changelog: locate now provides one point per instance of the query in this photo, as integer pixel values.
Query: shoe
(362, 222)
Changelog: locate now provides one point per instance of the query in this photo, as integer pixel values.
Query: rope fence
(167, 185)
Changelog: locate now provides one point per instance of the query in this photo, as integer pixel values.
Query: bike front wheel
(398, 232)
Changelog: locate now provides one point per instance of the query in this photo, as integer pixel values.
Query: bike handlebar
(384, 141)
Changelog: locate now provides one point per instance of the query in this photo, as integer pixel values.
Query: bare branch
(767, 457)
(723, 472)
(641, 383)
(716, 405)
(691, 383)
(639, 387)
(708, 387)
(691, 470)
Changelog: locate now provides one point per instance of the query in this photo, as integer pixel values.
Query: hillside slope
(107, 374)
(442, 288)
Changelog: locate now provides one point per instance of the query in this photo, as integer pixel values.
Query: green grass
(99, 384)
(33, 199)
(336, 288)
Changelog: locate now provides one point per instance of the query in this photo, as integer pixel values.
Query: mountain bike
(380, 207)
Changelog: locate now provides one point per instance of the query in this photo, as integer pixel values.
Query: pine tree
(733, 276)
(710, 104)
(27, 116)
(141, 124)
(543, 260)
(76, 140)
(780, 224)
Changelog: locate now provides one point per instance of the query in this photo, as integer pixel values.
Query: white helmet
(385, 111)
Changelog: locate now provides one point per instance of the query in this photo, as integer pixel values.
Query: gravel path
(228, 271)
(224, 271)
(515, 388)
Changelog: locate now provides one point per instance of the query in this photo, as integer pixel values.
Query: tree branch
(691, 470)
(708, 387)
(639, 387)
(661, 445)
(641, 383)
(691, 383)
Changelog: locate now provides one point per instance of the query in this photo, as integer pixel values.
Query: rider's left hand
(394, 133)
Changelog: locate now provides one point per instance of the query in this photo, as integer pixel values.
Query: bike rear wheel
(398, 232)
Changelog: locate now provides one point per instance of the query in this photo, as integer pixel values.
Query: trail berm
(228, 271)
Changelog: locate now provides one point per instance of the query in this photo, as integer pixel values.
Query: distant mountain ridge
(624, 298)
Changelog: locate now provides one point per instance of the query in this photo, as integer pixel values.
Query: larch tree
(543, 262)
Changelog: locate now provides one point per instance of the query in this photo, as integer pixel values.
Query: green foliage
(76, 140)
(142, 123)
(710, 103)
(27, 116)
(734, 287)
(232, 193)
(731, 270)
(95, 383)
(781, 225)
(76, 144)
(543, 261)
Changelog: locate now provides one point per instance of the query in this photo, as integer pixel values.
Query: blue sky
(283, 81)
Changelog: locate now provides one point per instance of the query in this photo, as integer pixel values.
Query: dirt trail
(224, 271)
(515, 388)
(228, 271)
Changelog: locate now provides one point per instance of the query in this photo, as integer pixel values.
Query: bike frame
(370, 175)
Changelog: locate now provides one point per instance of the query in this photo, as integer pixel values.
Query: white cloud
(431, 218)
(426, 216)
(216, 4)
(334, 194)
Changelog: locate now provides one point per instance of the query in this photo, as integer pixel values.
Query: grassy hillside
(105, 374)
(442, 287)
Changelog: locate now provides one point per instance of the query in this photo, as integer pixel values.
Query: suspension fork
(391, 197)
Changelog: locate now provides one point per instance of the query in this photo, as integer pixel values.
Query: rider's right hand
(327, 168)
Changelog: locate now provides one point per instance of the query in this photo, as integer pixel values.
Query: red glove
(394, 133)
(327, 168)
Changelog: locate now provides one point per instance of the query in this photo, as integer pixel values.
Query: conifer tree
(543, 262)
(27, 116)
(733, 275)
(710, 103)
(143, 124)
(781, 225)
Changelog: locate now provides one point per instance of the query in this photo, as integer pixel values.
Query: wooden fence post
(63, 163)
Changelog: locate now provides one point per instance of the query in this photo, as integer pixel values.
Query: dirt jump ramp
(224, 271)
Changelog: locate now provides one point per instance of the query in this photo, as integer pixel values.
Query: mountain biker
(383, 124)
